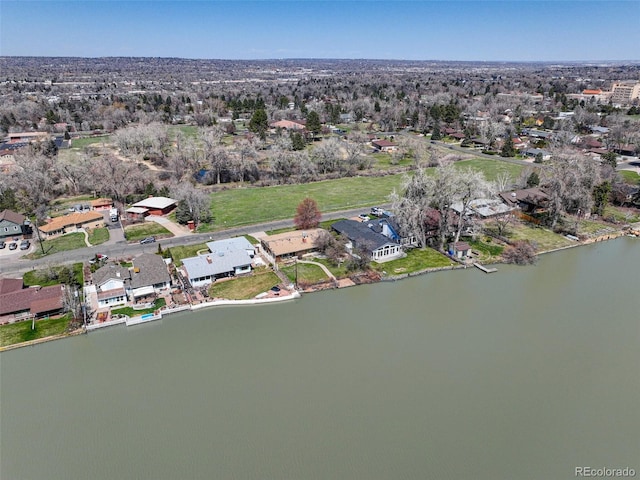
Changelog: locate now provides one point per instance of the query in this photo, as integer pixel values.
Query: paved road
(17, 266)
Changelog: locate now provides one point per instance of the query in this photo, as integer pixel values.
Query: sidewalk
(177, 230)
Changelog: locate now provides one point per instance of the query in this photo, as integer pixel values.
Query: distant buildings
(625, 92)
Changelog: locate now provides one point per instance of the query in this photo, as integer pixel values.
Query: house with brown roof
(17, 303)
(528, 199)
(289, 124)
(71, 223)
(384, 145)
(290, 244)
(101, 204)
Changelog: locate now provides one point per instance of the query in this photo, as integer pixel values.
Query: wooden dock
(485, 269)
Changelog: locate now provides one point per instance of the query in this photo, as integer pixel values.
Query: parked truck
(113, 215)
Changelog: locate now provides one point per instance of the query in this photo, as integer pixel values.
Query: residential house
(149, 276)
(290, 244)
(384, 145)
(484, 208)
(18, 303)
(72, 223)
(156, 205)
(289, 124)
(379, 247)
(388, 226)
(14, 224)
(205, 269)
(26, 137)
(528, 200)
(102, 204)
(112, 283)
(533, 153)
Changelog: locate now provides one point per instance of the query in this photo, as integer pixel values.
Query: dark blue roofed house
(364, 237)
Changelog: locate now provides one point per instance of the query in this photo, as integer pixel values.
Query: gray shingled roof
(230, 245)
(361, 235)
(109, 271)
(151, 271)
(216, 263)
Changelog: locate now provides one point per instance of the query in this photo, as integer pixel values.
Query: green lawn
(417, 259)
(98, 235)
(619, 214)
(21, 331)
(130, 312)
(488, 251)
(137, 232)
(543, 238)
(44, 278)
(307, 273)
(244, 288)
(70, 241)
(83, 142)
(186, 251)
(243, 206)
(630, 177)
(338, 271)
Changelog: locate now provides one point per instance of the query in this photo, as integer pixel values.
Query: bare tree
(194, 204)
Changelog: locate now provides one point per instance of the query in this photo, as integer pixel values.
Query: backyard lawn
(137, 232)
(244, 288)
(417, 259)
(338, 271)
(630, 177)
(21, 331)
(70, 241)
(544, 239)
(130, 312)
(489, 251)
(307, 274)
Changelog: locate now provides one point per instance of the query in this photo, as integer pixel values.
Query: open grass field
(307, 273)
(70, 241)
(244, 288)
(185, 251)
(44, 279)
(98, 235)
(543, 238)
(489, 251)
(623, 215)
(417, 259)
(21, 331)
(243, 206)
(135, 233)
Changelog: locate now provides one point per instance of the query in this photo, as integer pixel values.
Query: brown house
(72, 223)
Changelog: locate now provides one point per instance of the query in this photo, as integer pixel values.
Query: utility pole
(38, 234)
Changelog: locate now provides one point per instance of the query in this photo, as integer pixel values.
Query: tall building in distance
(625, 92)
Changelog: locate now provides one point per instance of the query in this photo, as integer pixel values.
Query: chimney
(209, 260)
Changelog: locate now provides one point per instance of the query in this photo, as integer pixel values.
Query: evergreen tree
(259, 123)
(435, 134)
(508, 150)
(313, 123)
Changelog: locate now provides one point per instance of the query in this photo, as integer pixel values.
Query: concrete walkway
(177, 230)
(86, 237)
(324, 268)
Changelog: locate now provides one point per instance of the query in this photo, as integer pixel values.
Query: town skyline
(492, 31)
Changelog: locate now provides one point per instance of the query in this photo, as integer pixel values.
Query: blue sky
(413, 30)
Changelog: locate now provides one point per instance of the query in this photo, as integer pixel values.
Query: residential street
(14, 265)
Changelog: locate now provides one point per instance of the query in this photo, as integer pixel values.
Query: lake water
(526, 373)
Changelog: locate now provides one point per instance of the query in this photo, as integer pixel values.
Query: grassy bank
(134, 233)
(54, 276)
(70, 241)
(307, 273)
(159, 303)
(244, 288)
(417, 259)
(21, 332)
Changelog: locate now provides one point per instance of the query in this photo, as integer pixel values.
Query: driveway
(177, 230)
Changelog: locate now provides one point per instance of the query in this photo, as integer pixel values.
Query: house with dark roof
(112, 283)
(149, 275)
(388, 226)
(379, 247)
(17, 303)
(528, 200)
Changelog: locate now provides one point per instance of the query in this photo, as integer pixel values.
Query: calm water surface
(521, 374)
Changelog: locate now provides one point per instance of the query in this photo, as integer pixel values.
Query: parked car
(25, 244)
(13, 246)
(147, 240)
(363, 217)
(98, 258)
(377, 211)
(2, 244)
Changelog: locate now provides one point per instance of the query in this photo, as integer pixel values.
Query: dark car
(147, 240)
(25, 244)
(2, 244)
(13, 246)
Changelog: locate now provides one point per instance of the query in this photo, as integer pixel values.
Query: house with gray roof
(227, 258)
(113, 284)
(13, 224)
(379, 247)
(149, 275)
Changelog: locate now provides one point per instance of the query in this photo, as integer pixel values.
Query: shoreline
(138, 320)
